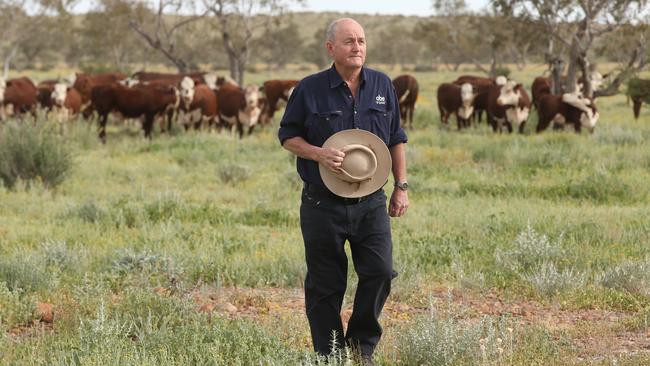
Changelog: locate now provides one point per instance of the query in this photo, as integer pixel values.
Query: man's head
(346, 43)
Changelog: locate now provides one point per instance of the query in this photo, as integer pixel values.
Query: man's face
(349, 46)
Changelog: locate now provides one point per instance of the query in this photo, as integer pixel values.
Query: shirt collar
(336, 80)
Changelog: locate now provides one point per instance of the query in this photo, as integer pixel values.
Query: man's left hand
(399, 202)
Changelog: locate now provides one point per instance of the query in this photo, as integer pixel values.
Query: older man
(346, 96)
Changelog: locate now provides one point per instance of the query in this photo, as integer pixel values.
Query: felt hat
(365, 167)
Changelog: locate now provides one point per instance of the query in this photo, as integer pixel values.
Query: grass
(558, 218)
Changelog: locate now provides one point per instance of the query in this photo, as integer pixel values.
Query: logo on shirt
(380, 100)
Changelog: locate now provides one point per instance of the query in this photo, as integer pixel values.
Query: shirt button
(355, 112)
(349, 96)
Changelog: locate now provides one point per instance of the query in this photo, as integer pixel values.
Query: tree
(282, 44)
(162, 29)
(316, 51)
(238, 22)
(576, 24)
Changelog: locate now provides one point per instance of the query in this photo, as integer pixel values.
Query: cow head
(509, 94)
(59, 93)
(187, 90)
(589, 118)
(467, 96)
(500, 80)
(211, 81)
(517, 105)
(252, 96)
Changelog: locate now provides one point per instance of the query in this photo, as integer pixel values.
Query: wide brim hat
(365, 167)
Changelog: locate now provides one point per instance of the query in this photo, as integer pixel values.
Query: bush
(33, 152)
(630, 276)
(502, 71)
(15, 308)
(234, 173)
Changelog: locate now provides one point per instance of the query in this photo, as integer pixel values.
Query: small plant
(548, 280)
(33, 152)
(630, 276)
(234, 173)
(15, 307)
(531, 250)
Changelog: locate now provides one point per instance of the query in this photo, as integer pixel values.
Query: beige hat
(365, 167)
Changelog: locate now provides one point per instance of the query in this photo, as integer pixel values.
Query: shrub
(547, 280)
(502, 71)
(530, 252)
(630, 276)
(27, 273)
(234, 173)
(15, 308)
(33, 152)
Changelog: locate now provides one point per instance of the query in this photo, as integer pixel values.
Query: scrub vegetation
(517, 249)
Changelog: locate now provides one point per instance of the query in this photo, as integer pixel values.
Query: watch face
(402, 185)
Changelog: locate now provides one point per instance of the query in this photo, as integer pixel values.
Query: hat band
(355, 179)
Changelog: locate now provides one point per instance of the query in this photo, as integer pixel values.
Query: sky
(404, 7)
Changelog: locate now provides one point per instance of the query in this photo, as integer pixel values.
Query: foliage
(33, 152)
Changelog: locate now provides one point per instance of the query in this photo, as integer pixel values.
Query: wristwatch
(404, 186)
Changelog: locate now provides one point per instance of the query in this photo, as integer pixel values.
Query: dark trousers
(327, 222)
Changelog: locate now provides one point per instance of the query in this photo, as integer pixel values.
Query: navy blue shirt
(322, 104)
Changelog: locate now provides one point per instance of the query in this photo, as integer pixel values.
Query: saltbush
(33, 152)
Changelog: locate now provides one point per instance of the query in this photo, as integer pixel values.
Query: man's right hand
(331, 158)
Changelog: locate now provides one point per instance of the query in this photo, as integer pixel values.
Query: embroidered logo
(380, 100)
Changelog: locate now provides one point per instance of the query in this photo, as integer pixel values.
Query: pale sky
(404, 7)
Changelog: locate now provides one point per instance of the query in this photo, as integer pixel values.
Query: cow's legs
(147, 125)
(521, 127)
(102, 127)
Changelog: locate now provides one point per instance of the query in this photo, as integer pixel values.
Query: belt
(324, 192)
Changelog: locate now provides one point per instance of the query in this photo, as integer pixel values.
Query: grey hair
(331, 30)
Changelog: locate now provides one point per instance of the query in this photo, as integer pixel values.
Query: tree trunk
(8, 59)
(557, 68)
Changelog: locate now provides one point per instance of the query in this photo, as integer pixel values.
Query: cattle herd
(204, 100)
(194, 100)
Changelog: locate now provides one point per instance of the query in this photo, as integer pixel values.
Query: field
(517, 250)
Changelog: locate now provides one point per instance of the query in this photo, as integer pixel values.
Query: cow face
(501, 80)
(187, 91)
(252, 96)
(59, 93)
(210, 81)
(509, 95)
(467, 96)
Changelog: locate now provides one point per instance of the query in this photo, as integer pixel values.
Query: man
(346, 96)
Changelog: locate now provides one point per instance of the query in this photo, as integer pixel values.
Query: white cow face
(467, 96)
(501, 80)
(597, 81)
(59, 93)
(187, 90)
(3, 86)
(210, 81)
(509, 95)
(252, 96)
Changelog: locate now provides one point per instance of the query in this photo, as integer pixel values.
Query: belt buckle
(352, 200)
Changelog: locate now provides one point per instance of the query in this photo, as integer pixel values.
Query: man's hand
(399, 202)
(331, 158)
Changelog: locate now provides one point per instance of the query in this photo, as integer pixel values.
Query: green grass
(203, 209)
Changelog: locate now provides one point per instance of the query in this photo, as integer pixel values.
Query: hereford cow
(20, 96)
(199, 104)
(147, 102)
(541, 86)
(481, 86)
(66, 102)
(275, 91)
(457, 100)
(508, 105)
(238, 108)
(407, 89)
(562, 110)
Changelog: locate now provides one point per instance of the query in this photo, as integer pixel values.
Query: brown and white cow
(456, 100)
(406, 88)
(66, 102)
(199, 104)
(567, 109)
(84, 83)
(19, 96)
(148, 102)
(481, 86)
(508, 105)
(275, 91)
(238, 108)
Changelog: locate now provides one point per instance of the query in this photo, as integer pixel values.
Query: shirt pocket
(324, 124)
(378, 121)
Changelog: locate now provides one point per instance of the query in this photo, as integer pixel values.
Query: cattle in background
(3, 87)
(509, 106)
(541, 86)
(200, 77)
(148, 102)
(456, 100)
(199, 104)
(19, 96)
(238, 108)
(639, 91)
(406, 88)
(66, 102)
(84, 84)
(567, 109)
(481, 86)
(275, 91)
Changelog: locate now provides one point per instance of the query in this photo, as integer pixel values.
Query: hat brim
(342, 188)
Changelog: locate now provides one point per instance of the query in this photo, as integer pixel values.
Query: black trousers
(327, 221)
